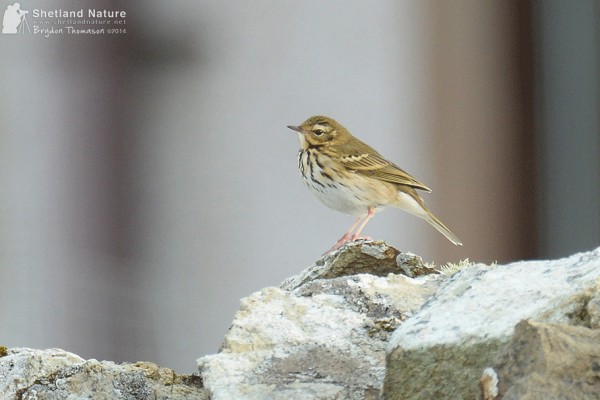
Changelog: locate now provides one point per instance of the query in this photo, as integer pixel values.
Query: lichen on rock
(369, 322)
(323, 333)
(55, 374)
(464, 328)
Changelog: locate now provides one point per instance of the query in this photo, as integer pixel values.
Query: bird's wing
(372, 164)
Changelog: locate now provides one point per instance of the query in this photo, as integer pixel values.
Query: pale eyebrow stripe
(322, 127)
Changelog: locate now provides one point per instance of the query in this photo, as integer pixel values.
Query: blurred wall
(483, 134)
(149, 181)
(567, 104)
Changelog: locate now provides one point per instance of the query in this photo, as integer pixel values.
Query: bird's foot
(345, 239)
(342, 241)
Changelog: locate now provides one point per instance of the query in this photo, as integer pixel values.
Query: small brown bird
(350, 176)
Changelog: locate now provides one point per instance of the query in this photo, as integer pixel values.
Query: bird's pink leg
(360, 228)
(347, 235)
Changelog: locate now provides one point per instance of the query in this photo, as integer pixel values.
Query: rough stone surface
(550, 361)
(56, 374)
(443, 349)
(361, 257)
(369, 322)
(323, 333)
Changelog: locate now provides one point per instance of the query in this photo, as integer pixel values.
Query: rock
(369, 322)
(550, 361)
(361, 257)
(441, 351)
(323, 333)
(56, 374)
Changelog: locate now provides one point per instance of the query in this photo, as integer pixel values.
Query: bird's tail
(409, 201)
(443, 229)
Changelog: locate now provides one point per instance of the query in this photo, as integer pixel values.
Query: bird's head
(319, 131)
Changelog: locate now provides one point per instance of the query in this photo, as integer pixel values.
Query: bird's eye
(318, 132)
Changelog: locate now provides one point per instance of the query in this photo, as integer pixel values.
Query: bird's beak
(296, 128)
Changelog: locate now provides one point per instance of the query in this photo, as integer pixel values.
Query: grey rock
(442, 350)
(322, 334)
(550, 361)
(55, 374)
(361, 257)
(368, 322)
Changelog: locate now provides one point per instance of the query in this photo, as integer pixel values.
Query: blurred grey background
(148, 181)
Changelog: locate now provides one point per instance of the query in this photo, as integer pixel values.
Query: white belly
(353, 198)
(343, 199)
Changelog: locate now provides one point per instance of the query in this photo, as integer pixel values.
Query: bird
(350, 176)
